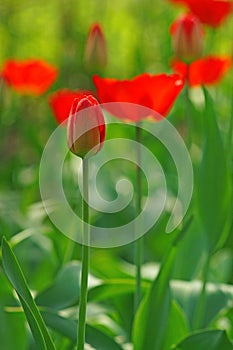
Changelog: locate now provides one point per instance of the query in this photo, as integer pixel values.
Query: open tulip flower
(29, 77)
(157, 92)
(205, 71)
(210, 12)
(62, 100)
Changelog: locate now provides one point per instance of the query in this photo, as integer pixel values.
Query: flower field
(116, 192)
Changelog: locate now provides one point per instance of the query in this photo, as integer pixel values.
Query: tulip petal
(210, 12)
(29, 77)
(62, 100)
(208, 70)
(86, 127)
(157, 92)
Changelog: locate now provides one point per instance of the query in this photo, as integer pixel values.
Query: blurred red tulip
(96, 50)
(157, 92)
(61, 102)
(29, 77)
(205, 71)
(210, 12)
(187, 37)
(86, 127)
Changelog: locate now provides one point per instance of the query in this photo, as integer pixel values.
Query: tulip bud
(187, 38)
(86, 127)
(96, 50)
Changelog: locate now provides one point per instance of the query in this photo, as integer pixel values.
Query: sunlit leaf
(68, 327)
(218, 297)
(214, 340)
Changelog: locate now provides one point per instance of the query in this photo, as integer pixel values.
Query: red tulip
(86, 127)
(157, 92)
(187, 37)
(210, 12)
(61, 102)
(29, 77)
(205, 71)
(96, 50)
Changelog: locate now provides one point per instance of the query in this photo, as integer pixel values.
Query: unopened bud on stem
(86, 127)
(187, 38)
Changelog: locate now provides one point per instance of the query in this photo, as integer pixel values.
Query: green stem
(188, 110)
(139, 242)
(230, 131)
(71, 243)
(85, 262)
(201, 304)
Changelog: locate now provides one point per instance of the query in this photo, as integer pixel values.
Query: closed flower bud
(96, 50)
(86, 127)
(187, 38)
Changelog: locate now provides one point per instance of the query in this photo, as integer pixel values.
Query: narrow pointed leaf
(15, 275)
(214, 186)
(149, 327)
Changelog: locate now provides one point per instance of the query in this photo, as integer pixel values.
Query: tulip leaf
(15, 275)
(67, 327)
(185, 293)
(211, 339)
(64, 292)
(11, 322)
(226, 319)
(176, 328)
(218, 297)
(114, 287)
(213, 181)
(148, 329)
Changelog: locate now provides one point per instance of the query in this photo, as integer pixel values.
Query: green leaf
(64, 292)
(214, 340)
(148, 329)
(218, 297)
(11, 322)
(177, 327)
(38, 266)
(186, 294)
(114, 287)
(67, 327)
(213, 181)
(221, 266)
(106, 265)
(15, 275)
(225, 322)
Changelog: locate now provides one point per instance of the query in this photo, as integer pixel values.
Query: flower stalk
(139, 242)
(85, 261)
(85, 137)
(188, 110)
